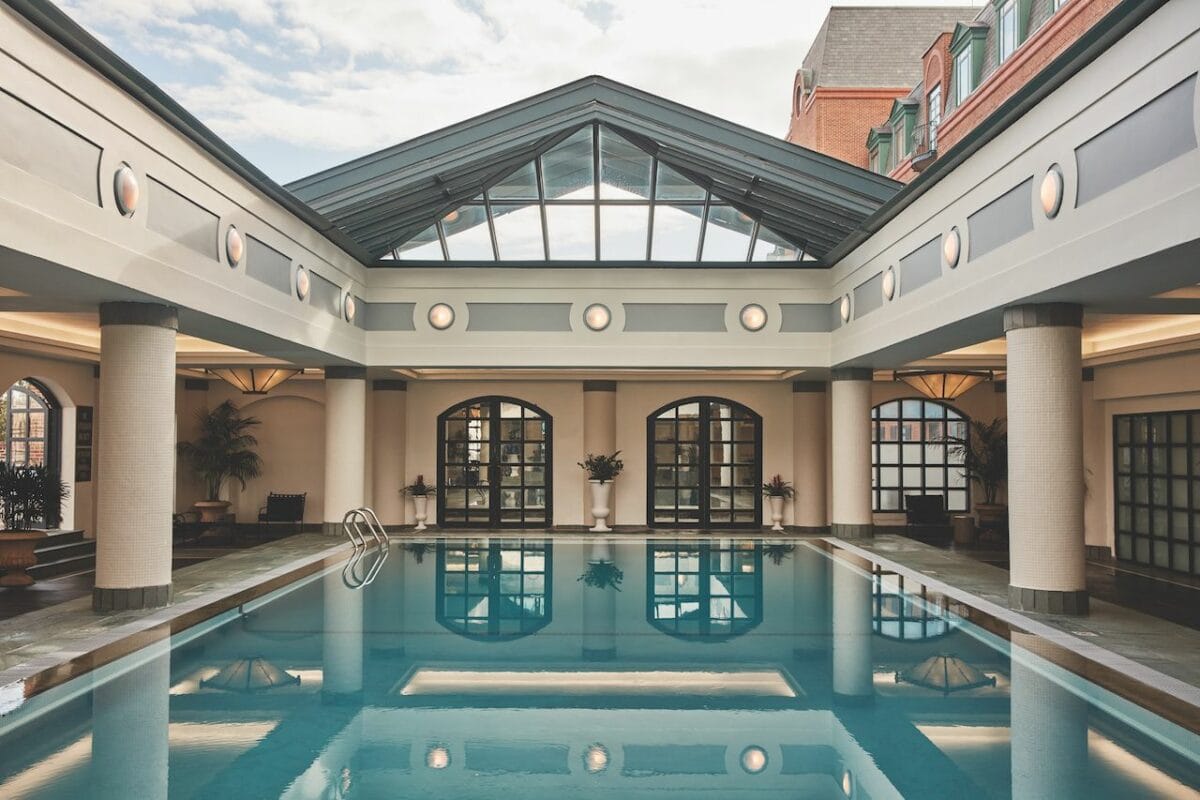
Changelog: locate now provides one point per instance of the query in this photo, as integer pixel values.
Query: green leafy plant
(224, 450)
(984, 455)
(778, 552)
(418, 550)
(602, 575)
(778, 487)
(31, 496)
(601, 467)
(419, 488)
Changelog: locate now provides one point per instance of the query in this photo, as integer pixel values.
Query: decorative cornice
(599, 386)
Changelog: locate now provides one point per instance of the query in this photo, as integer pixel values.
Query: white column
(853, 675)
(810, 593)
(130, 718)
(809, 467)
(1049, 728)
(345, 442)
(387, 467)
(599, 436)
(1045, 458)
(342, 640)
(137, 459)
(851, 396)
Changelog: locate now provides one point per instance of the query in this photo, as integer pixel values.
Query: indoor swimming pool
(624, 667)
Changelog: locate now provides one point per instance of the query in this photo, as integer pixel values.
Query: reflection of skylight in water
(550, 204)
(676, 233)
(727, 234)
(467, 234)
(572, 232)
(769, 247)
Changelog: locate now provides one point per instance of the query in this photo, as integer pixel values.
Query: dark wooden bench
(282, 510)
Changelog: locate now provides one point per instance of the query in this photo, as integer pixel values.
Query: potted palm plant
(602, 470)
(420, 492)
(984, 456)
(31, 501)
(777, 491)
(224, 451)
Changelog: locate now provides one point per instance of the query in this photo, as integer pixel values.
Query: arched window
(31, 425)
(494, 588)
(905, 612)
(705, 465)
(494, 458)
(704, 589)
(910, 454)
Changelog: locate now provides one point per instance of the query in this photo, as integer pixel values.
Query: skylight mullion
(703, 226)
(753, 239)
(541, 189)
(653, 201)
(487, 210)
(596, 184)
(441, 234)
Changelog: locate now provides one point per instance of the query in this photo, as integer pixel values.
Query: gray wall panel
(806, 318)
(1006, 218)
(388, 316)
(519, 317)
(675, 317)
(31, 141)
(868, 296)
(921, 266)
(1156, 133)
(325, 295)
(267, 265)
(180, 220)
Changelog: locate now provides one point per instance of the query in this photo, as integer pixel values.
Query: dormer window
(1007, 29)
(962, 76)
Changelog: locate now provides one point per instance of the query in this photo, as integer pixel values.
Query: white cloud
(345, 77)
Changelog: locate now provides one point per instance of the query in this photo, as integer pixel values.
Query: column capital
(851, 374)
(808, 387)
(1043, 315)
(599, 386)
(151, 314)
(340, 373)
(390, 385)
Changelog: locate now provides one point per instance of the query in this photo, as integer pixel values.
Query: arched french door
(705, 465)
(495, 466)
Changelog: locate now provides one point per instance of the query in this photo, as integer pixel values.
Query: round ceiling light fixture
(349, 306)
(754, 317)
(1051, 192)
(597, 316)
(754, 759)
(437, 757)
(844, 308)
(950, 248)
(847, 783)
(126, 190)
(889, 283)
(441, 316)
(595, 759)
(303, 283)
(235, 246)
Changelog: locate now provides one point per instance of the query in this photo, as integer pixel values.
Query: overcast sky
(299, 85)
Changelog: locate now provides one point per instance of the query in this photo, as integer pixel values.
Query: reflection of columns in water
(385, 605)
(130, 726)
(342, 645)
(852, 672)
(810, 587)
(1049, 729)
(599, 609)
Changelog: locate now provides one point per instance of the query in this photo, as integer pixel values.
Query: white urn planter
(420, 510)
(601, 492)
(776, 512)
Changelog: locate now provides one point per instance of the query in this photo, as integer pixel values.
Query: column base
(1047, 601)
(130, 599)
(332, 529)
(844, 530)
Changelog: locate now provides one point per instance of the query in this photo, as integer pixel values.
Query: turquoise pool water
(524, 668)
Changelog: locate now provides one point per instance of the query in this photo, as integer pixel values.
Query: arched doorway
(495, 465)
(706, 589)
(494, 588)
(910, 454)
(705, 465)
(32, 425)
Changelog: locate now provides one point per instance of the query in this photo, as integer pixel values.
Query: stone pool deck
(52, 644)
(1148, 649)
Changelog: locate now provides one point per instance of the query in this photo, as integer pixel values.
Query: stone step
(63, 566)
(56, 551)
(55, 538)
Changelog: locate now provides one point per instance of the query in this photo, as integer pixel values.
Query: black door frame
(494, 521)
(705, 521)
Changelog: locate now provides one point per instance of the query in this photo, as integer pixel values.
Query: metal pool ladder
(352, 526)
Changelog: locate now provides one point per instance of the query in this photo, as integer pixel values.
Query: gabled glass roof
(595, 196)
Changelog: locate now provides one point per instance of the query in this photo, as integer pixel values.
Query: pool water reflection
(621, 667)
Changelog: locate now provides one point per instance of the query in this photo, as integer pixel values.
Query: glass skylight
(596, 196)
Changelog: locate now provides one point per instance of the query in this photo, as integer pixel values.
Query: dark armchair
(926, 519)
(283, 510)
